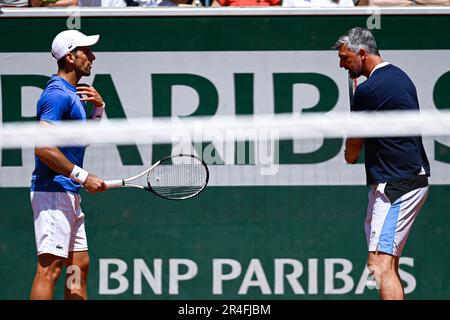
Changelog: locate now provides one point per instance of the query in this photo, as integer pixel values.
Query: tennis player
(396, 167)
(58, 175)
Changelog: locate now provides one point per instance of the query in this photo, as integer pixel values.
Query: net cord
(228, 128)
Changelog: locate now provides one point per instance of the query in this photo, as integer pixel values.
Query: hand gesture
(90, 94)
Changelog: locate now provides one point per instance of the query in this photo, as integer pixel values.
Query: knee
(50, 273)
(374, 269)
(377, 268)
(54, 273)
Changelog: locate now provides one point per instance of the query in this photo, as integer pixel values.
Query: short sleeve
(52, 106)
(361, 101)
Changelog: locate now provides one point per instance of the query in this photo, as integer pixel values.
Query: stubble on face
(85, 60)
(350, 61)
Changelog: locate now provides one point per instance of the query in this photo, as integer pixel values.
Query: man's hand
(94, 184)
(91, 95)
(352, 148)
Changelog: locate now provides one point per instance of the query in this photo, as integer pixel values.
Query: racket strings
(184, 178)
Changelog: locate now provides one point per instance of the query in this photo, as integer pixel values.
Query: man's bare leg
(75, 287)
(384, 268)
(47, 274)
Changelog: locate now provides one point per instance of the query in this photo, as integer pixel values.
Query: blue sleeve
(361, 99)
(53, 106)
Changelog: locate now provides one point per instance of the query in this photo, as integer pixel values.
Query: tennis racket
(352, 84)
(176, 177)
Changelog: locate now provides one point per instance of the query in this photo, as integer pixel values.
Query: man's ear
(70, 57)
(363, 53)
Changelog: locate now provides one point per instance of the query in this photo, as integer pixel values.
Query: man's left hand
(90, 94)
(352, 148)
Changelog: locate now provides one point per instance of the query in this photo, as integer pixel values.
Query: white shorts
(388, 225)
(58, 223)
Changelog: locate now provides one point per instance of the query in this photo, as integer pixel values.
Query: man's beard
(86, 72)
(353, 74)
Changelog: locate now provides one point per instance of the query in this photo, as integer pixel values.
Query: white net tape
(228, 128)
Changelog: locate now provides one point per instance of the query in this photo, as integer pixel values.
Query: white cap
(68, 40)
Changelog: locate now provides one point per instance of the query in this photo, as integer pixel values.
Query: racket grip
(114, 183)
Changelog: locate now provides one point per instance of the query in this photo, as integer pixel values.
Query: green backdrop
(253, 226)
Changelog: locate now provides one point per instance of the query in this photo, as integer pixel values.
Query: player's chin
(87, 71)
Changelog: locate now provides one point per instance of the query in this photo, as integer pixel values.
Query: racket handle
(114, 183)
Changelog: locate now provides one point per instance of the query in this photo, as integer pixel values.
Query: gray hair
(358, 38)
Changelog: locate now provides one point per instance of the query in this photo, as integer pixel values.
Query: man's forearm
(58, 3)
(353, 147)
(61, 3)
(53, 158)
